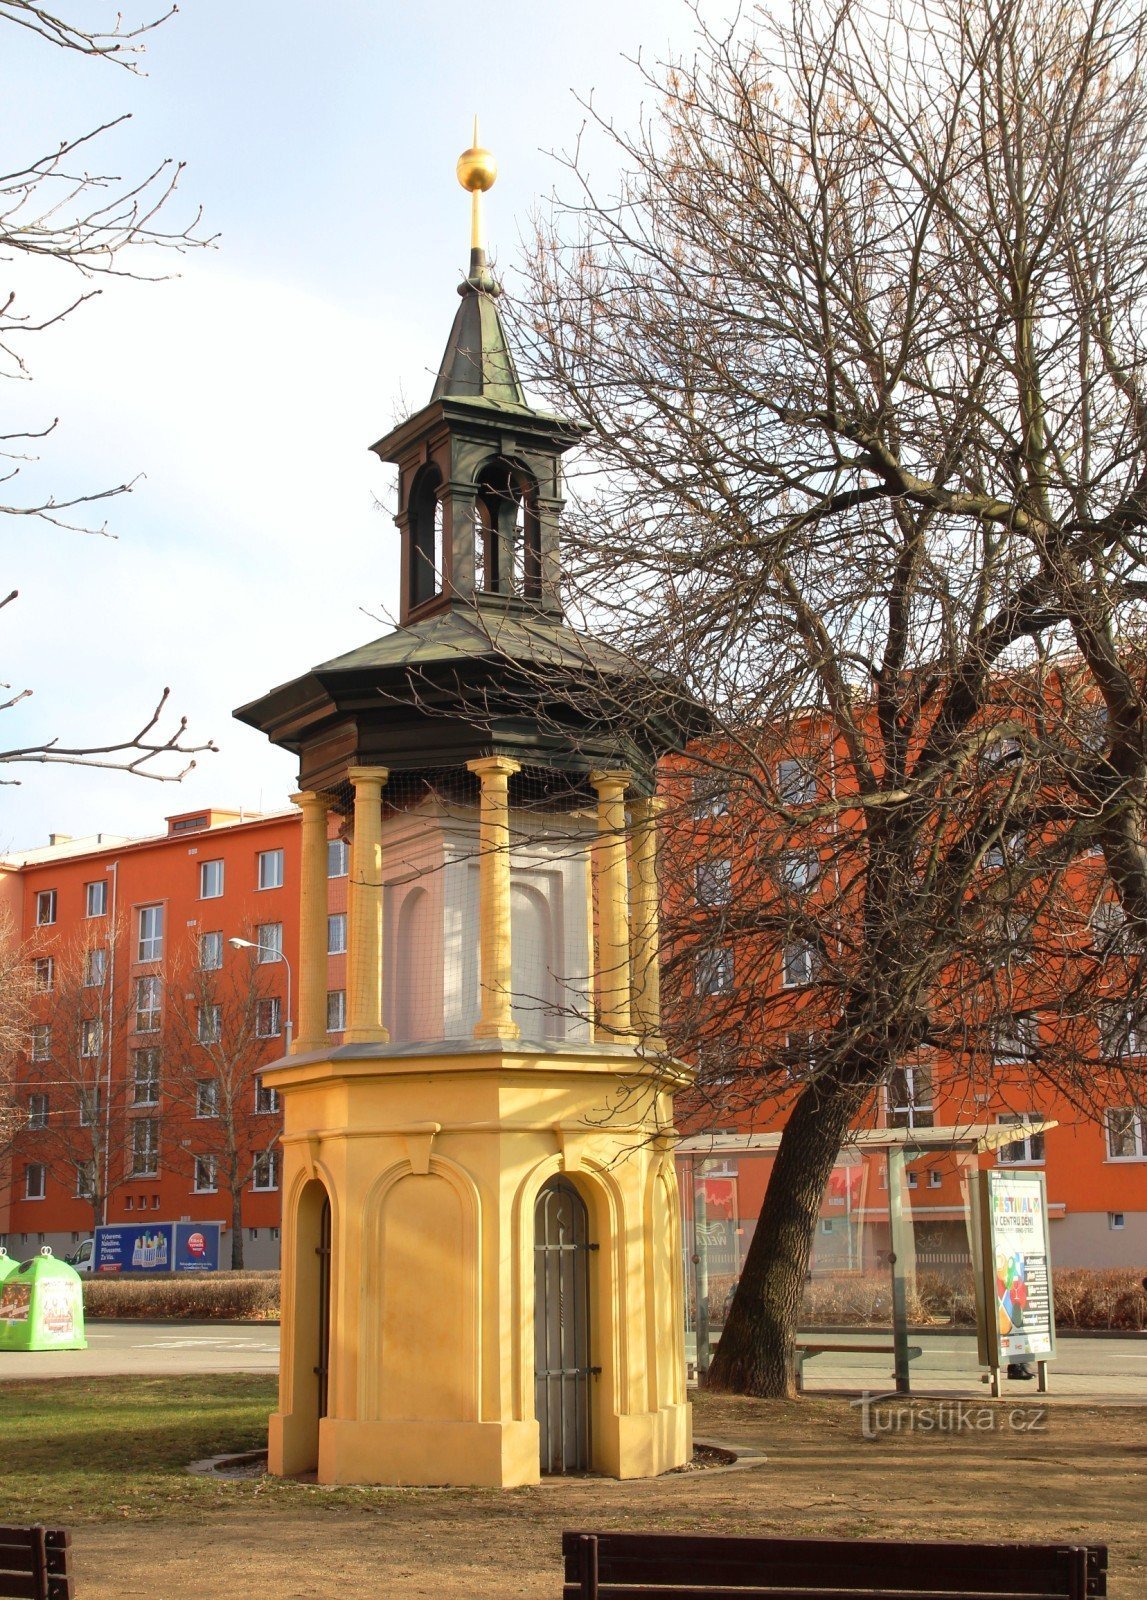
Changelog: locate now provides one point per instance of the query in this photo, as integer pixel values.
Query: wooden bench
(34, 1564)
(674, 1566)
(808, 1348)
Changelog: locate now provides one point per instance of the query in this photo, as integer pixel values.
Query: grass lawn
(107, 1457)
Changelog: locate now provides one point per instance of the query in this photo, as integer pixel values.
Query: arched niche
(418, 956)
(427, 549)
(534, 1005)
(507, 530)
(310, 1262)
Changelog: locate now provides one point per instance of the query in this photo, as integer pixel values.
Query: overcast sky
(320, 141)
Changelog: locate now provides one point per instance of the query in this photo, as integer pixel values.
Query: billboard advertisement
(157, 1247)
(1016, 1266)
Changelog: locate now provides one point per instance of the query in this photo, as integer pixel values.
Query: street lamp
(249, 944)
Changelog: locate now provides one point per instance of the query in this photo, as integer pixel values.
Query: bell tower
(481, 1243)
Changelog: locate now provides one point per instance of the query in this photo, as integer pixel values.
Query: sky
(320, 141)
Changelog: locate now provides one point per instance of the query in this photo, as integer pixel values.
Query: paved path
(1085, 1369)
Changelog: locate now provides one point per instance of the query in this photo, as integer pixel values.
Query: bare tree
(225, 1022)
(81, 224)
(15, 1020)
(860, 341)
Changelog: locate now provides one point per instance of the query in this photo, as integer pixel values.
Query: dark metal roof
(478, 363)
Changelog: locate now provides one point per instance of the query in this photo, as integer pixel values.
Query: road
(1085, 1369)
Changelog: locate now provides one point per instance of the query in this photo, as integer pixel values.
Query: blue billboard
(157, 1247)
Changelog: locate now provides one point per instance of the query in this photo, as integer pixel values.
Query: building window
(35, 1181)
(796, 784)
(210, 880)
(150, 933)
(268, 1019)
(207, 1098)
(713, 971)
(714, 882)
(85, 1180)
(90, 1103)
(206, 1168)
(338, 858)
(145, 1148)
(42, 1041)
(799, 869)
(266, 1100)
(148, 1003)
(710, 796)
(336, 934)
(96, 898)
(145, 1077)
(1126, 1133)
(95, 968)
(1014, 1038)
(1027, 1151)
(336, 1010)
(913, 1180)
(37, 1111)
(265, 1170)
(209, 1024)
(91, 1036)
(270, 869)
(269, 938)
(210, 954)
(935, 1180)
(1116, 1220)
(45, 908)
(44, 974)
(800, 964)
(909, 1094)
(800, 1055)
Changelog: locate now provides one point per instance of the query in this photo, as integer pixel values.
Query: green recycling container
(42, 1306)
(8, 1265)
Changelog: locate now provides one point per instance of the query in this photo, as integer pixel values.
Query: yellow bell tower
(482, 1270)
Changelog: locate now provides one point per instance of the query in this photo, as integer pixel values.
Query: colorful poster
(1022, 1308)
(15, 1302)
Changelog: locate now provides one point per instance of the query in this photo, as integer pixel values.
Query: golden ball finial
(477, 169)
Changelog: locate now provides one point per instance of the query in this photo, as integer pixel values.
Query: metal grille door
(561, 1326)
(323, 1251)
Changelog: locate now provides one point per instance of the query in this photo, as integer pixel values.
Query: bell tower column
(645, 932)
(364, 905)
(312, 1032)
(612, 974)
(497, 1018)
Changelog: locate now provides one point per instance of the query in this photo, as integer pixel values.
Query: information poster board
(158, 1247)
(1018, 1321)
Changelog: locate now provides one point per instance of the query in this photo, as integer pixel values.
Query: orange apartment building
(140, 918)
(122, 936)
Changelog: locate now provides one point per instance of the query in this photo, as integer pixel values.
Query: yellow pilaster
(612, 977)
(496, 1020)
(364, 911)
(645, 931)
(311, 1032)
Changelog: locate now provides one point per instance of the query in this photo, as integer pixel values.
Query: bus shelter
(898, 1243)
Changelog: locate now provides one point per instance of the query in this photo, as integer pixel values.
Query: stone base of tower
(414, 1346)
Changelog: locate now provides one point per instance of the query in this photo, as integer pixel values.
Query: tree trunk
(758, 1345)
(236, 1230)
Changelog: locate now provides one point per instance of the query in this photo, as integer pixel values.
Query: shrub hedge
(193, 1296)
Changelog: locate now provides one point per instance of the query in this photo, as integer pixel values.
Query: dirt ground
(1007, 1472)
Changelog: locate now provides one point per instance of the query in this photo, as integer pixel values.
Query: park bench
(674, 1566)
(34, 1564)
(808, 1348)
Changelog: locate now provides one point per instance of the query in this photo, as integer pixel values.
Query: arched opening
(427, 553)
(562, 1370)
(534, 1003)
(507, 531)
(310, 1326)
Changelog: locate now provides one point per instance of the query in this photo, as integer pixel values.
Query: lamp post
(249, 944)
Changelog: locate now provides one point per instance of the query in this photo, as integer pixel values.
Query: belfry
(481, 1242)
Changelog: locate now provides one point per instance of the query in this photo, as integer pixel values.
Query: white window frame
(207, 1098)
(85, 1179)
(796, 782)
(212, 875)
(149, 945)
(265, 1171)
(710, 797)
(336, 933)
(91, 1037)
(45, 908)
(148, 1017)
(271, 869)
(269, 942)
(338, 858)
(916, 1108)
(96, 898)
(35, 1189)
(713, 881)
(1028, 1145)
(91, 1104)
(210, 1015)
(268, 1017)
(266, 1099)
(1015, 1038)
(144, 1150)
(44, 974)
(799, 870)
(145, 1086)
(95, 967)
(210, 943)
(714, 971)
(336, 1009)
(800, 964)
(1136, 1116)
(41, 1041)
(38, 1105)
(206, 1178)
